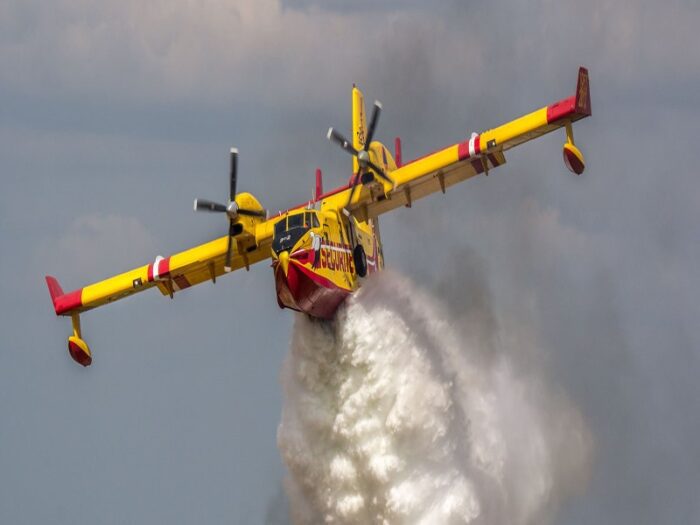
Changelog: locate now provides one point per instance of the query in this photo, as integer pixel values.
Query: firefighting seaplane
(322, 250)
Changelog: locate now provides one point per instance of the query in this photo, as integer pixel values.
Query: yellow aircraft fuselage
(318, 258)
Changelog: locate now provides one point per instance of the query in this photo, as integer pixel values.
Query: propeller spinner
(232, 209)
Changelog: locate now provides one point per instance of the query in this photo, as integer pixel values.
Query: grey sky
(115, 115)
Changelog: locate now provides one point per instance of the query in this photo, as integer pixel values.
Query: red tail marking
(55, 289)
(63, 302)
(319, 184)
(397, 151)
(562, 109)
(583, 93)
(576, 106)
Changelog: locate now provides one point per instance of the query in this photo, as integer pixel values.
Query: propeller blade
(234, 170)
(373, 123)
(344, 143)
(252, 213)
(355, 182)
(379, 172)
(207, 205)
(227, 261)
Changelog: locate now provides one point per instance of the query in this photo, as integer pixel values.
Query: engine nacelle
(79, 351)
(246, 223)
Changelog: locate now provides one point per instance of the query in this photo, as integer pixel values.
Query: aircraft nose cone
(284, 261)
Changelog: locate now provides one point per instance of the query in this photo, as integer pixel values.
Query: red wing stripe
(463, 150)
(159, 270)
(469, 148)
(164, 268)
(474, 145)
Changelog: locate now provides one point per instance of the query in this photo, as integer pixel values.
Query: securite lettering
(337, 257)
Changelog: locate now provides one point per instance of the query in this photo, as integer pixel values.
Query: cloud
(376, 6)
(211, 53)
(109, 107)
(167, 51)
(215, 52)
(95, 246)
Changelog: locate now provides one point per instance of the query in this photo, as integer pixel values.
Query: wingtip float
(68, 304)
(322, 249)
(571, 109)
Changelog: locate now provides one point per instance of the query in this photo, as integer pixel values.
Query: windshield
(290, 229)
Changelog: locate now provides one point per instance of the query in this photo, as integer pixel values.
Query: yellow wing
(463, 160)
(170, 274)
(251, 243)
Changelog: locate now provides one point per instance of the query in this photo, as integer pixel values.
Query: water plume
(392, 414)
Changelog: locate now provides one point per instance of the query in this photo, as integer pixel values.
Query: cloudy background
(114, 115)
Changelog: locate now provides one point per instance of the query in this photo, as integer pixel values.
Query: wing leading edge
(404, 184)
(478, 154)
(169, 274)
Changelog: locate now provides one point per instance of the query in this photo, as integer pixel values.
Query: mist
(392, 414)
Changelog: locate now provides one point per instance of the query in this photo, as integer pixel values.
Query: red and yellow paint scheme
(322, 250)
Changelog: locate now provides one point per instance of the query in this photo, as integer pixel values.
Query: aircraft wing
(481, 153)
(168, 274)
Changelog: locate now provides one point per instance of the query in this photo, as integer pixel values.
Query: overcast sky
(114, 115)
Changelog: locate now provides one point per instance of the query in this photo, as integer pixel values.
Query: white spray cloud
(392, 415)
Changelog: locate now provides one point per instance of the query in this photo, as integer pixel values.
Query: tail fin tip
(55, 289)
(63, 303)
(583, 93)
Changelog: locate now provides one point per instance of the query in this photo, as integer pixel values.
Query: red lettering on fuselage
(337, 257)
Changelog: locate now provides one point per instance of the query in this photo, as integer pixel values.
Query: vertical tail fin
(583, 93)
(359, 124)
(63, 303)
(397, 152)
(319, 184)
(55, 290)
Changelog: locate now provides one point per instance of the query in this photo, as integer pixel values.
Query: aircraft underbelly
(304, 290)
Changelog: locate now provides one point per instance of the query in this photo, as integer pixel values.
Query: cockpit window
(290, 229)
(311, 219)
(295, 221)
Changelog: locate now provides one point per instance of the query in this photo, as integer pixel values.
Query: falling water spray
(392, 414)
